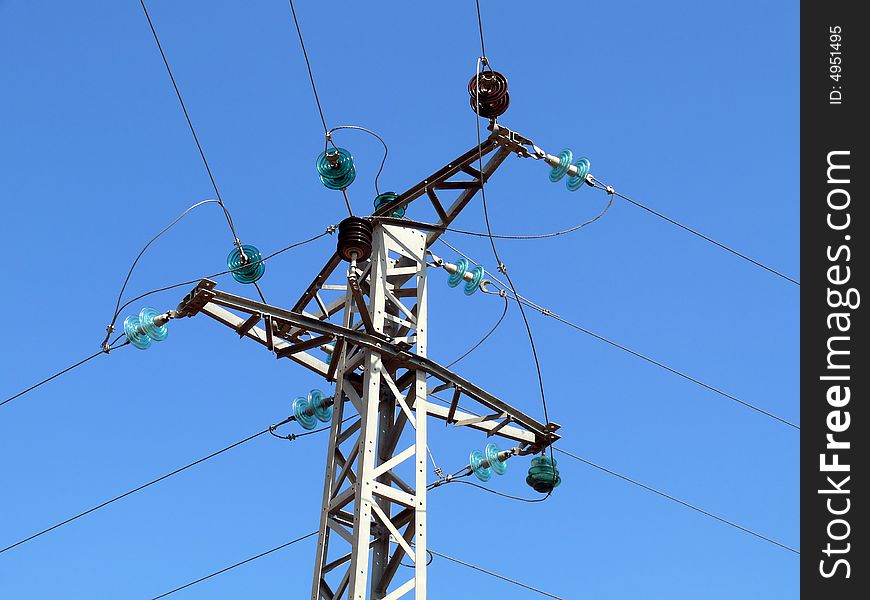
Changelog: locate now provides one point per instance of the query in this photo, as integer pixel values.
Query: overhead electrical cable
(677, 500)
(480, 29)
(114, 345)
(308, 65)
(313, 533)
(326, 129)
(549, 313)
(501, 266)
(214, 185)
(139, 488)
(444, 481)
(485, 337)
(329, 230)
(372, 133)
(233, 566)
(534, 236)
(110, 328)
(189, 122)
(496, 575)
(610, 190)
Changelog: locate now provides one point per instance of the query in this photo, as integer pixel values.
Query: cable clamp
(331, 229)
(502, 268)
(609, 189)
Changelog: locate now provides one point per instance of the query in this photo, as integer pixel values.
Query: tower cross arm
(223, 307)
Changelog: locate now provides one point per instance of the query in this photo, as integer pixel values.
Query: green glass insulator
(386, 198)
(558, 172)
(249, 269)
(473, 285)
(543, 475)
(318, 404)
(477, 459)
(301, 410)
(135, 334)
(491, 452)
(156, 332)
(461, 267)
(583, 166)
(335, 167)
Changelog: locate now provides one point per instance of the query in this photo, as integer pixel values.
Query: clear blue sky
(689, 107)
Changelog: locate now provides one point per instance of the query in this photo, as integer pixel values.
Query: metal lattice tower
(373, 514)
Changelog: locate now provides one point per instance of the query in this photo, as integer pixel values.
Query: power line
(133, 491)
(709, 239)
(480, 29)
(238, 564)
(496, 575)
(308, 65)
(111, 347)
(549, 313)
(486, 489)
(110, 328)
(678, 501)
(329, 231)
(189, 122)
(313, 533)
(501, 266)
(485, 337)
(139, 488)
(236, 239)
(605, 470)
(379, 138)
(652, 361)
(538, 236)
(114, 345)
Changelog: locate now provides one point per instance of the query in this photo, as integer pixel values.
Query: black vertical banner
(835, 223)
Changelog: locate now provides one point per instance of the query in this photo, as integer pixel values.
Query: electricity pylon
(373, 514)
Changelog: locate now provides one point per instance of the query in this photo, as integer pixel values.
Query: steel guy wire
(114, 345)
(677, 500)
(139, 488)
(549, 313)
